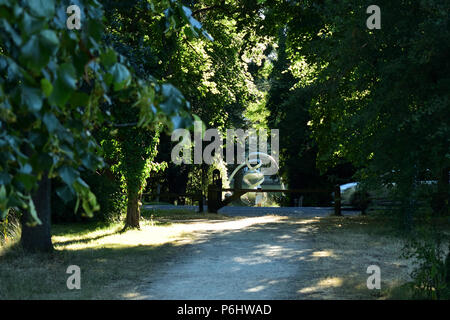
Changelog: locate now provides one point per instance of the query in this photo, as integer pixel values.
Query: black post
(215, 193)
(213, 200)
(337, 200)
(200, 202)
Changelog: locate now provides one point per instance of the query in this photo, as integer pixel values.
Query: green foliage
(381, 96)
(360, 200)
(212, 75)
(198, 180)
(110, 197)
(106, 187)
(56, 88)
(378, 99)
(288, 101)
(10, 227)
(137, 160)
(431, 276)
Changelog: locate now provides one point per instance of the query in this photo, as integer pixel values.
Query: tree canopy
(345, 97)
(56, 87)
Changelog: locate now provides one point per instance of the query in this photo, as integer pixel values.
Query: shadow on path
(269, 260)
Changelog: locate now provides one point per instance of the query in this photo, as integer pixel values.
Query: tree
(52, 95)
(381, 97)
(212, 75)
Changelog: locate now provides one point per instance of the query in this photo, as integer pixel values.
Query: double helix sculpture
(253, 178)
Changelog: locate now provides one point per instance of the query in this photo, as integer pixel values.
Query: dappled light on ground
(153, 234)
(323, 284)
(276, 257)
(267, 257)
(323, 253)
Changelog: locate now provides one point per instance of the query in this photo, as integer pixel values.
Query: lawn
(113, 263)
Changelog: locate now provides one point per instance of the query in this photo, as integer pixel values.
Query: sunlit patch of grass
(160, 216)
(105, 255)
(112, 262)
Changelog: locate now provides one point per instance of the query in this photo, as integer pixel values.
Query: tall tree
(54, 82)
(381, 96)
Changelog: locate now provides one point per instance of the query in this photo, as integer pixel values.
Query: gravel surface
(260, 257)
(300, 212)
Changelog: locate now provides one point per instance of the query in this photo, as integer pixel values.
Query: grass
(346, 246)
(112, 262)
(359, 241)
(173, 215)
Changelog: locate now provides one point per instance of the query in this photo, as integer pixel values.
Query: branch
(122, 125)
(216, 6)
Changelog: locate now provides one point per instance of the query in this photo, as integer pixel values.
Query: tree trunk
(38, 238)
(133, 211)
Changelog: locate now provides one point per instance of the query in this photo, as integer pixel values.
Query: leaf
(27, 169)
(90, 204)
(89, 161)
(31, 24)
(2, 192)
(32, 210)
(3, 202)
(60, 95)
(67, 75)
(65, 193)
(42, 8)
(14, 36)
(51, 122)
(79, 99)
(64, 85)
(178, 122)
(7, 3)
(88, 199)
(68, 175)
(60, 17)
(121, 76)
(26, 177)
(49, 41)
(173, 99)
(5, 178)
(32, 55)
(31, 97)
(108, 58)
(46, 87)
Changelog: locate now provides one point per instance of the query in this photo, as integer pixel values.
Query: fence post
(213, 199)
(158, 192)
(200, 202)
(337, 200)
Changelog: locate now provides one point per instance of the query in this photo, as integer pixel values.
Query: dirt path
(277, 257)
(260, 261)
(268, 257)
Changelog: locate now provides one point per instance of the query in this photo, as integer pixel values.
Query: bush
(360, 200)
(431, 276)
(113, 202)
(109, 195)
(10, 227)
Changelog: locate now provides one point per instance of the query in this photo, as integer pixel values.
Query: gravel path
(260, 257)
(298, 212)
